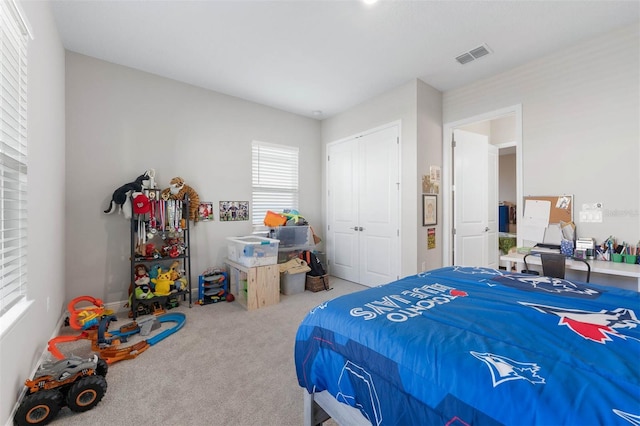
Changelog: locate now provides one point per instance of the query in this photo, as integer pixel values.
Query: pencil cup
(630, 258)
(617, 257)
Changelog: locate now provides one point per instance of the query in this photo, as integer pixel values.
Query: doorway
(450, 254)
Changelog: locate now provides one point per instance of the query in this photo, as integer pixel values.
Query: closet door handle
(355, 228)
(360, 228)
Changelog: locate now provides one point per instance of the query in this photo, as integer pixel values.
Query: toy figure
(177, 191)
(142, 280)
(121, 196)
(163, 283)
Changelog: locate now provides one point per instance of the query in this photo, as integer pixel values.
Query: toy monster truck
(75, 382)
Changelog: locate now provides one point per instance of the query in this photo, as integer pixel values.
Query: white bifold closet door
(363, 243)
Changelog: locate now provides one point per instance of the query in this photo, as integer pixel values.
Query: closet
(363, 207)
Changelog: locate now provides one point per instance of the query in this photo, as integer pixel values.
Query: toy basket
(317, 283)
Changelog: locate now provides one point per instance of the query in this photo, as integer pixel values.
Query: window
(275, 179)
(13, 156)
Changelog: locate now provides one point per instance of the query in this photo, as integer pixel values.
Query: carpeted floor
(227, 366)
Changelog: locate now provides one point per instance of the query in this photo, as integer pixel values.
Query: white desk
(615, 269)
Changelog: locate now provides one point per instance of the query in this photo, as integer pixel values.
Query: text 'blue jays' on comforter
(462, 346)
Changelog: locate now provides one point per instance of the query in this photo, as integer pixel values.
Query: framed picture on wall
(429, 210)
(205, 211)
(234, 210)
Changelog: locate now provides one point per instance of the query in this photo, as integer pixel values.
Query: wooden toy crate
(317, 283)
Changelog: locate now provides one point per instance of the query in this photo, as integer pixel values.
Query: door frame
(448, 169)
(395, 123)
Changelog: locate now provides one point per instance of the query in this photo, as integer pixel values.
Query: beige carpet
(227, 366)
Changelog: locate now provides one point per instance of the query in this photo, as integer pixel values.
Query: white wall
(22, 346)
(580, 125)
(429, 154)
(121, 121)
(417, 106)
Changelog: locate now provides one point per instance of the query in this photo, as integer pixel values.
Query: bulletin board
(561, 207)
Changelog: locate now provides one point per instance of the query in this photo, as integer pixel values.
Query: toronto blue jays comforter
(463, 346)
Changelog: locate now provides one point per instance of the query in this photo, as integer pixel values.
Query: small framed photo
(205, 211)
(429, 210)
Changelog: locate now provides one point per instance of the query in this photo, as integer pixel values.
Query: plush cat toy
(121, 196)
(177, 191)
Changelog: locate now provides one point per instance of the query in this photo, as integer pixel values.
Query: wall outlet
(424, 266)
(48, 303)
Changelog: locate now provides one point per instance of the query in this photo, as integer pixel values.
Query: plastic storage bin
(252, 251)
(294, 236)
(292, 283)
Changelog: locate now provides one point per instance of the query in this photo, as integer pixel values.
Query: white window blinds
(13, 156)
(275, 179)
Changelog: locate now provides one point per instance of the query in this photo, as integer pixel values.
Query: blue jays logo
(634, 419)
(469, 270)
(542, 284)
(476, 270)
(596, 326)
(504, 369)
(320, 306)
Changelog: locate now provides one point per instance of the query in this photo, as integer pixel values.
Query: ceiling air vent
(473, 54)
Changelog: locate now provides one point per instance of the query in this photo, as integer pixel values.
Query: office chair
(553, 265)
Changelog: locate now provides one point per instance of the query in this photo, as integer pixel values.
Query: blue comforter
(462, 346)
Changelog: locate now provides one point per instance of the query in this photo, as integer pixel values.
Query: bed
(469, 345)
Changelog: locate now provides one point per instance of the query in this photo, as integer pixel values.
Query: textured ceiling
(301, 56)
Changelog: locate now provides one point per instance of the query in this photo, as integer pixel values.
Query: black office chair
(554, 265)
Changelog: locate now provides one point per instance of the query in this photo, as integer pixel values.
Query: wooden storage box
(317, 283)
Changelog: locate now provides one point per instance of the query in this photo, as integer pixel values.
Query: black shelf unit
(161, 234)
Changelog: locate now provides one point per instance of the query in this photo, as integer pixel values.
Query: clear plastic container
(253, 251)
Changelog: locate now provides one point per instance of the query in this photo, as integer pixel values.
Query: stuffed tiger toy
(177, 191)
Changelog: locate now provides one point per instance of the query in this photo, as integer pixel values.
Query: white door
(363, 207)
(342, 236)
(379, 207)
(475, 200)
(492, 206)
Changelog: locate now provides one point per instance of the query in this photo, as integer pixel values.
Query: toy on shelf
(94, 322)
(213, 287)
(178, 190)
(75, 382)
(120, 200)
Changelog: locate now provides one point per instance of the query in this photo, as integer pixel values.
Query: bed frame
(320, 407)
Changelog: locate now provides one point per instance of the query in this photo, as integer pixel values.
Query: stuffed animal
(121, 196)
(163, 283)
(179, 282)
(177, 191)
(141, 280)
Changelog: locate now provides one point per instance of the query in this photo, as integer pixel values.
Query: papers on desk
(544, 250)
(535, 220)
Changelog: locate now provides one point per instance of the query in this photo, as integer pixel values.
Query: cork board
(561, 207)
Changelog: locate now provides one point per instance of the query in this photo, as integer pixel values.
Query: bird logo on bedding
(634, 419)
(470, 270)
(543, 284)
(595, 326)
(504, 369)
(320, 306)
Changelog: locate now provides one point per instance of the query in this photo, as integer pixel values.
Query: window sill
(11, 317)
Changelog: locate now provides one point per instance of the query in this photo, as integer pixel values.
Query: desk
(597, 266)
